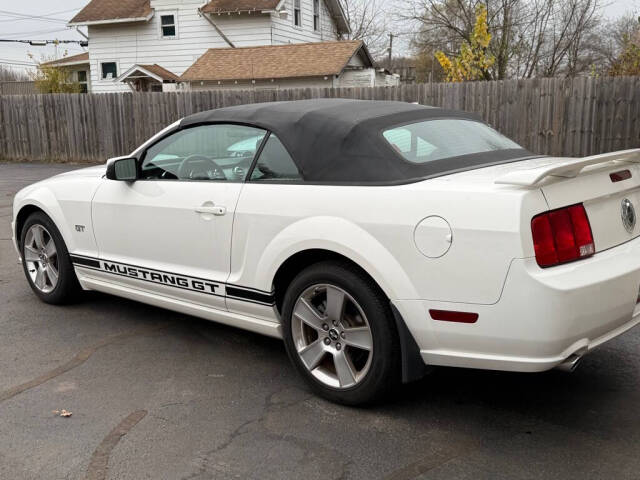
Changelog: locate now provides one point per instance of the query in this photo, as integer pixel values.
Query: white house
(148, 45)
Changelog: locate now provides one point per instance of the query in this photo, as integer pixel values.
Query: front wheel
(46, 262)
(340, 335)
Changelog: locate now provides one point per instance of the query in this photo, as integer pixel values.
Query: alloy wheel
(332, 336)
(41, 258)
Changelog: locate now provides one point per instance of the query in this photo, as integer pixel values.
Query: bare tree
(529, 37)
(8, 74)
(573, 21)
(445, 24)
(368, 22)
(611, 38)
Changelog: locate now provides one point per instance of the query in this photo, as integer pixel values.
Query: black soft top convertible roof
(340, 141)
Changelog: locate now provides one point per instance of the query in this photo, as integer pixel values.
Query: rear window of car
(439, 139)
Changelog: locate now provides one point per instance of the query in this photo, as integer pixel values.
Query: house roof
(236, 6)
(70, 60)
(232, 6)
(111, 11)
(118, 11)
(275, 61)
(154, 71)
(340, 17)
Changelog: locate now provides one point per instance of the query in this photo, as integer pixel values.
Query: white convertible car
(375, 238)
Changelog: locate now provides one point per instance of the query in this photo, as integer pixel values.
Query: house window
(316, 15)
(82, 80)
(168, 26)
(297, 13)
(109, 70)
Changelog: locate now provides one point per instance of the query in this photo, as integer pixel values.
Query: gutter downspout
(220, 32)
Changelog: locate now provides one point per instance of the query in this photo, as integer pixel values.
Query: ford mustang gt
(374, 238)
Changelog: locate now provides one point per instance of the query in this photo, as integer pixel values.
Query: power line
(42, 43)
(43, 15)
(49, 20)
(25, 16)
(38, 32)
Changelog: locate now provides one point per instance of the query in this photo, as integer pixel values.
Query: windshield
(431, 140)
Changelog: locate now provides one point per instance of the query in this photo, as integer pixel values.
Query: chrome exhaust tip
(570, 364)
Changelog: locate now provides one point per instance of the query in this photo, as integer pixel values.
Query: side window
(275, 163)
(316, 15)
(297, 13)
(207, 152)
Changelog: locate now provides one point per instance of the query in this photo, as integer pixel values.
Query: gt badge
(80, 228)
(628, 215)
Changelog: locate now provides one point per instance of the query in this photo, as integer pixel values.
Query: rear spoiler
(567, 168)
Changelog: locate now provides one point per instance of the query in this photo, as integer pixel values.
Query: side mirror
(123, 169)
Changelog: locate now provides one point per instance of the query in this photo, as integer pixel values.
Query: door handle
(217, 210)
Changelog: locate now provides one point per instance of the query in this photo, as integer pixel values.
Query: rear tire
(46, 262)
(340, 335)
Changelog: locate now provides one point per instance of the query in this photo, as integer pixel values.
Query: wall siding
(563, 117)
(285, 31)
(141, 42)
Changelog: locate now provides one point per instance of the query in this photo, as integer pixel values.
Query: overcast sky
(15, 25)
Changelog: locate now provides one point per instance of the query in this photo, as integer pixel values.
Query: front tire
(339, 333)
(46, 261)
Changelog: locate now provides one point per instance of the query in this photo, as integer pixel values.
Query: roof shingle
(279, 61)
(230, 6)
(105, 10)
(161, 72)
(60, 62)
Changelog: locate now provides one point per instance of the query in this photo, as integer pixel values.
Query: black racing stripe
(237, 292)
(97, 264)
(85, 261)
(241, 294)
(158, 283)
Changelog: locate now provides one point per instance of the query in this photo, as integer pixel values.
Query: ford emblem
(628, 215)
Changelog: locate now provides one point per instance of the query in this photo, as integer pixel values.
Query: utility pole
(391, 35)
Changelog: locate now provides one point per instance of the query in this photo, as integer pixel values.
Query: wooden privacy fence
(570, 117)
(17, 87)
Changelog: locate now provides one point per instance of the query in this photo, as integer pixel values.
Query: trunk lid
(602, 183)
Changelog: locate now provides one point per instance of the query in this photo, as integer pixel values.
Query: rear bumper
(543, 316)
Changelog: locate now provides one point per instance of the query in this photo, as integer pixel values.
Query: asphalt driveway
(155, 394)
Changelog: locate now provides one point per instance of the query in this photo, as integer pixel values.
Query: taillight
(562, 236)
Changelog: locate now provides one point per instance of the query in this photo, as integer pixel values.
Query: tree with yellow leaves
(474, 60)
(628, 63)
(52, 79)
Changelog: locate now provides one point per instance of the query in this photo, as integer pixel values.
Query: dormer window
(168, 26)
(297, 13)
(316, 15)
